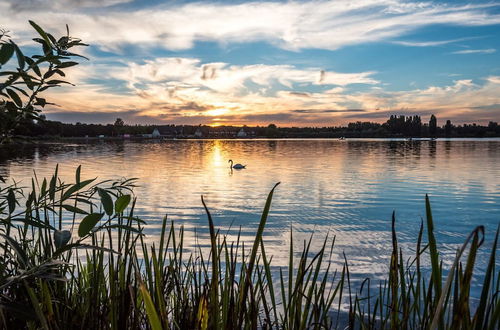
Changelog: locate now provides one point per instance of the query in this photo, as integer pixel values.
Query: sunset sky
(301, 63)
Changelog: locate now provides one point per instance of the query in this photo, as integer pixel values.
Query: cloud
(177, 74)
(327, 110)
(27, 5)
(476, 51)
(431, 43)
(462, 101)
(289, 25)
(93, 117)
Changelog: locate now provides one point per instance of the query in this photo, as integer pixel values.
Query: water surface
(345, 188)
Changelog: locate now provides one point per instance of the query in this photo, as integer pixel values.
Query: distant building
(101, 136)
(242, 133)
(198, 133)
(156, 133)
(126, 136)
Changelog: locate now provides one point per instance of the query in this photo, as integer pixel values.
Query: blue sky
(288, 62)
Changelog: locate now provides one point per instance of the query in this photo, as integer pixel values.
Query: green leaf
(77, 174)
(88, 223)
(13, 95)
(122, 203)
(20, 56)
(48, 74)
(43, 189)
(41, 32)
(124, 227)
(36, 224)
(154, 320)
(74, 188)
(61, 238)
(436, 273)
(33, 65)
(488, 280)
(214, 298)
(106, 201)
(74, 209)
(11, 200)
(57, 82)
(40, 101)
(6, 52)
(258, 238)
(52, 186)
(81, 246)
(66, 65)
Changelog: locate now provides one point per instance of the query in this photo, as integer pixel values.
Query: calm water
(347, 188)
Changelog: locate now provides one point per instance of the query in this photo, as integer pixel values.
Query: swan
(235, 166)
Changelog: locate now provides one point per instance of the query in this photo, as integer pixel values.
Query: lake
(348, 189)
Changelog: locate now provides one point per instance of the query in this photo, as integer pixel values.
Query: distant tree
(118, 126)
(119, 122)
(448, 128)
(271, 130)
(416, 126)
(20, 90)
(433, 126)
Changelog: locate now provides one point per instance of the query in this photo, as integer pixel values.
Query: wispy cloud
(26, 5)
(290, 25)
(180, 73)
(432, 43)
(476, 51)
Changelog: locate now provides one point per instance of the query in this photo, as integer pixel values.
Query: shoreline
(28, 140)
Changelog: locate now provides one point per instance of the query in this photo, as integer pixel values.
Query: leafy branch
(21, 87)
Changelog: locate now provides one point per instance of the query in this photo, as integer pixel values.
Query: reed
(75, 256)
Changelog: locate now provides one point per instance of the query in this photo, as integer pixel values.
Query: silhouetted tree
(119, 123)
(448, 128)
(433, 126)
(271, 130)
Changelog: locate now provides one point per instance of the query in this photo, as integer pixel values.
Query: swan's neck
(231, 165)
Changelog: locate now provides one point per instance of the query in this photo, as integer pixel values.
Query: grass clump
(75, 256)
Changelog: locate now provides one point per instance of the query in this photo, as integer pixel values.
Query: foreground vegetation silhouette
(75, 256)
(21, 84)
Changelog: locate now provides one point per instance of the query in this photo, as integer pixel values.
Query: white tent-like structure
(198, 133)
(156, 133)
(241, 133)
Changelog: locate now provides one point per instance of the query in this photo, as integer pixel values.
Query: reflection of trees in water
(411, 148)
(13, 152)
(447, 149)
(30, 153)
(396, 148)
(432, 149)
(271, 146)
(4, 171)
(493, 148)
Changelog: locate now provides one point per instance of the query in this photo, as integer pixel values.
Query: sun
(216, 112)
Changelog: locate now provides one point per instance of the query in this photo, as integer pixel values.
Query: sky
(291, 63)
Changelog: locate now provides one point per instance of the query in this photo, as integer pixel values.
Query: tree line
(395, 126)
